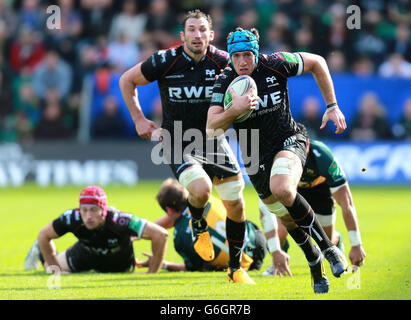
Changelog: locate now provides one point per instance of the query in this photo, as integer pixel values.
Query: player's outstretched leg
(201, 237)
(305, 218)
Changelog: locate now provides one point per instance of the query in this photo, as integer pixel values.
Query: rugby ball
(240, 85)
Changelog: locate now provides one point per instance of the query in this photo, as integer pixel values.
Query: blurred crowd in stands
(42, 70)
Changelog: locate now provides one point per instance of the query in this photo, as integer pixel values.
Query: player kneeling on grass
(172, 198)
(104, 235)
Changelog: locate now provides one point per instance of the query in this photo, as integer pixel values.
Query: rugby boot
(337, 260)
(239, 276)
(32, 260)
(202, 242)
(319, 280)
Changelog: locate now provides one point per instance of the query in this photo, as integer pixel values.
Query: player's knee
(198, 184)
(282, 181)
(162, 235)
(200, 193)
(283, 193)
(235, 209)
(231, 190)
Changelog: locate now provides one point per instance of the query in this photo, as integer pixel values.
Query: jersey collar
(191, 60)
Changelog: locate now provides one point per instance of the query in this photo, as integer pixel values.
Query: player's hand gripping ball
(240, 86)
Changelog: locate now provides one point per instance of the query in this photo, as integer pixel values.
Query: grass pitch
(384, 218)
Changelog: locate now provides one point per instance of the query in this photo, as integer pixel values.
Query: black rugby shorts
(80, 258)
(261, 180)
(215, 157)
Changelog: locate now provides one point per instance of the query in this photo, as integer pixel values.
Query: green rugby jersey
(321, 167)
(215, 214)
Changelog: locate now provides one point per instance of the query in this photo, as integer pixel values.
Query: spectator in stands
(311, 117)
(16, 127)
(27, 102)
(53, 72)
(8, 26)
(395, 66)
(370, 123)
(274, 41)
(122, 53)
(303, 40)
(362, 66)
(402, 129)
(147, 49)
(220, 25)
(109, 124)
(247, 17)
(31, 15)
(336, 62)
(338, 37)
(66, 37)
(101, 44)
(51, 125)
(97, 16)
(399, 11)
(86, 63)
(6, 98)
(161, 23)
(8, 18)
(26, 51)
(129, 22)
(368, 42)
(402, 42)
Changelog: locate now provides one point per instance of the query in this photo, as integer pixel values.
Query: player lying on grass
(172, 197)
(322, 183)
(104, 238)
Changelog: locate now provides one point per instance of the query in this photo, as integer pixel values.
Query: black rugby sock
(304, 217)
(197, 216)
(303, 240)
(235, 232)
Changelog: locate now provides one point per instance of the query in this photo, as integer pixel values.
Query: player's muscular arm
(219, 120)
(159, 237)
(165, 222)
(344, 199)
(318, 67)
(128, 82)
(47, 246)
